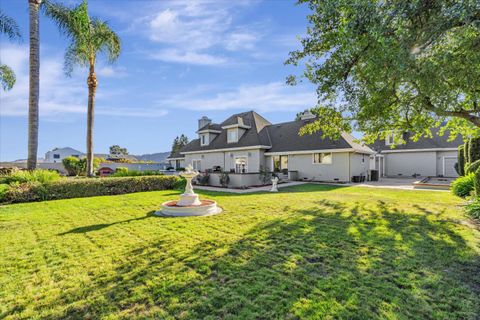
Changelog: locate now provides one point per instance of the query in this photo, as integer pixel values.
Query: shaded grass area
(309, 251)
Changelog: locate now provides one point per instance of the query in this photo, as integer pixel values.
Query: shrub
(473, 149)
(87, 187)
(78, 167)
(476, 182)
(473, 209)
(461, 161)
(124, 172)
(224, 179)
(180, 169)
(463, 186)
(472, 167)
(203, 178)
(23, 176)
(265, 175)
(466, 154)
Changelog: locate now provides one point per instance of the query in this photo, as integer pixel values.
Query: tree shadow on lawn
(355, 262)
(100, 226)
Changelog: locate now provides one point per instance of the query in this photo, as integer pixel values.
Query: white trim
(320, 163)
(232, 126)
(419, 150)
(236, 134)
(209, 131)
(443, 162)
(246, 162)
(207, 139)
(228, 149)
(310, 151)
(176, 158)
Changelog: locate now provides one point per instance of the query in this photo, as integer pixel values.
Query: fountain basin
(172, 209)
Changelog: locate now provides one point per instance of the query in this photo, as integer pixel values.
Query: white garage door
(449, 167)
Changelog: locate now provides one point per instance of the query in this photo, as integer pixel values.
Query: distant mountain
(155, 157)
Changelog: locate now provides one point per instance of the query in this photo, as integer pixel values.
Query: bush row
(88, 187)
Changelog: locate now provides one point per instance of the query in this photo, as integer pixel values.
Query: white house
(426, 157)
(58, 154)
(246, 144)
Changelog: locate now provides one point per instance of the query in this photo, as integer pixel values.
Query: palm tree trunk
(34, 90)
(92, 88)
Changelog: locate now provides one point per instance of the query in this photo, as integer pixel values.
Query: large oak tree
(392, 65)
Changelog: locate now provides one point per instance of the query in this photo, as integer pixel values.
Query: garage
(449, 167)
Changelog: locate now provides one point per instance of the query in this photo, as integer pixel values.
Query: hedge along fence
(87, 187)
(461, 160)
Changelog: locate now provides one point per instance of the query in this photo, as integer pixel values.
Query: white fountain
(189, 203)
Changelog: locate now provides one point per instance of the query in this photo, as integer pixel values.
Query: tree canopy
(117, 152)
(10, 29)
(179, 142)
(383, 66)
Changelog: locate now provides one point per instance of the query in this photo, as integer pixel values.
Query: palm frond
(74, 56)
(105, 40)
(7, 77)
(9, 27)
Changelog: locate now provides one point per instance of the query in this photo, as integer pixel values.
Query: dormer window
(232, 135)
(390, 139)
(204, 139)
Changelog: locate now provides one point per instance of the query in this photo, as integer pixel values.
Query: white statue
(189, 198)
(274, 184)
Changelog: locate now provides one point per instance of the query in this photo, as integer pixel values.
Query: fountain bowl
(172, 209)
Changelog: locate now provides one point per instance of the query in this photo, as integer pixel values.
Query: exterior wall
(135, 166)
(440, 161)
(63, 153)
(226, 160)
(338, 170)
(237, 180)
(407, 164)
(359, 164)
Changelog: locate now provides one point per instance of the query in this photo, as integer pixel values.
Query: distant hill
(155, 157)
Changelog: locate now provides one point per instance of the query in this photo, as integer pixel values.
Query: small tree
(179, 142)
(118, 152)
(461, 160)
(72, 165)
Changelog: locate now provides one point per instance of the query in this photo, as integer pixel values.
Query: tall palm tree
(8, 27)
(88, 37)
(34, 80)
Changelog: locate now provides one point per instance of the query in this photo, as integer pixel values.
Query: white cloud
(112, 72)
(188, 57)
(192, 32)
(274, 96)
(59, 95)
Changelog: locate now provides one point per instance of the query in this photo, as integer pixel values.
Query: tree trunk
(92, 88)
(34, 90)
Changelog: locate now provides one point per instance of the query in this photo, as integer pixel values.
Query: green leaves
(394, 65)
(89, 36)
(7, 77)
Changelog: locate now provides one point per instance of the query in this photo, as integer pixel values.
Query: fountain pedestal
(189, 203)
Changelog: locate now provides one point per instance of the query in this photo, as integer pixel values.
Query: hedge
(476, 183)
(463, 186)
(87, 187)
(473, 149)
(472, 167)
(461, 160)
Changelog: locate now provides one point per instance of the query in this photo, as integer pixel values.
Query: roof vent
(306, 115)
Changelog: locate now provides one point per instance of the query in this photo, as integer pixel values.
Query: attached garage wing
(449, 167)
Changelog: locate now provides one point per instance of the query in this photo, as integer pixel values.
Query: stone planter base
(206, 208)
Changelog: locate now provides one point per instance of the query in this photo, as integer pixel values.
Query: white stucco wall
(226, 160)
(62, 153)
(407, 164)
(440, 162)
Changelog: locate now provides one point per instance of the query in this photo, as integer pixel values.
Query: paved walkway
(389, 183)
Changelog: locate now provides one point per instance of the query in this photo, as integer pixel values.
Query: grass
(308, 252)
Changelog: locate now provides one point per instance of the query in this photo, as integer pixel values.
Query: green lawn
(309, 252)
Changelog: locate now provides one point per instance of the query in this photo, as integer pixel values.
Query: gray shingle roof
(279, 137)
(175, 155)
(285, 137)
(211, 126)
(256, 135)
(436, 142)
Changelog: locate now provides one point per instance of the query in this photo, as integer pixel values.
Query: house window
(390, 139)
(232, 135)
(197, 165)
(322, 158)
(241, 165)
(204, 139)
(177, 163)
(56, 156)
(280, 163)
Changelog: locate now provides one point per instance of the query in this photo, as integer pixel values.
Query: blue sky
(180, 60)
